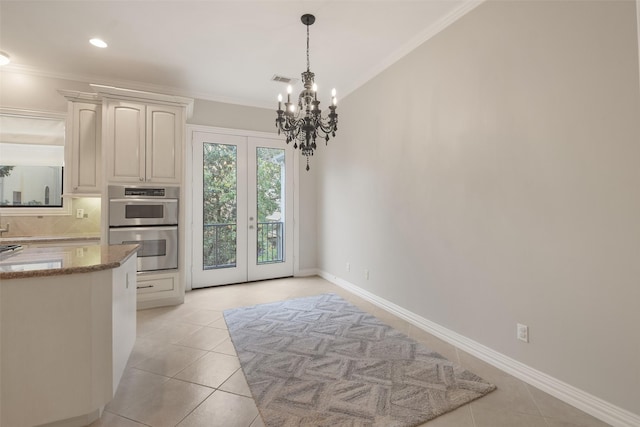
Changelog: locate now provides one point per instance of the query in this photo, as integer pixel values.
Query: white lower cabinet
(158, 289)
(65, 341)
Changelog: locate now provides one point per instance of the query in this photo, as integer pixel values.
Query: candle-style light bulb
(334, 100)
(333, 92)
(279, 101)
(292, 108)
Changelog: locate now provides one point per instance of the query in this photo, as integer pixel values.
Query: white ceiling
(218, 50)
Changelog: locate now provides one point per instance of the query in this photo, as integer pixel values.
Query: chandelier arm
(328, 124)
(293, 127)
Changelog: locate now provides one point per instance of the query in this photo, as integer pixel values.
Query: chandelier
(302, 123)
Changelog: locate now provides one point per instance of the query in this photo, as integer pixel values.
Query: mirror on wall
(31, 159)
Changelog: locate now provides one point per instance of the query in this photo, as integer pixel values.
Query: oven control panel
(133, 191)
(145, 192)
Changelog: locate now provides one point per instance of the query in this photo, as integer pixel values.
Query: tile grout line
(127, 418)
(197, 406)
(125, 407)
(473, 419)
(535, 402)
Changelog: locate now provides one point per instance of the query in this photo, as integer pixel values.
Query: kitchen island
(67, 328)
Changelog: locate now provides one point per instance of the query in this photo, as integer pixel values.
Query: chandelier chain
(308, 63)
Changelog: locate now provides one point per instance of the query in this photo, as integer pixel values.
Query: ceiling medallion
(303, 123)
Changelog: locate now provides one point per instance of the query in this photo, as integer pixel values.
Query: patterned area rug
(320, 361)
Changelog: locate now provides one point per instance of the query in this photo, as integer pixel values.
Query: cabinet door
(86, 156)
(165, 130)
(125, 141)
(83, 172)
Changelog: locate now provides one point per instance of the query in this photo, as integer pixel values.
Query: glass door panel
(219, 230)
(220, 205)
(270, 204)
(271, 208)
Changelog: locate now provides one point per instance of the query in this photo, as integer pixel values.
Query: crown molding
(74, 95)
(118, 92)
(32, 113)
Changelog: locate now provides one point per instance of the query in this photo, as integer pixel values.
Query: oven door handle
(146, 228)
(138, 201)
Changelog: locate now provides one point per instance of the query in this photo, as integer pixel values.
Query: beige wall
(232, 116)
(33, 92)
(491, 177)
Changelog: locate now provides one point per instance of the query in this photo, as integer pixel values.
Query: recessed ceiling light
(4, 59)
(98, 43)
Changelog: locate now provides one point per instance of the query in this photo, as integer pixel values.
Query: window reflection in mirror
(31, 160)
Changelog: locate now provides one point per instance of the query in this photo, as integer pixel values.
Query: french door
(242, 209)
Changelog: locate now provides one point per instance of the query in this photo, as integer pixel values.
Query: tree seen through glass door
(219, 205)
(270, 209)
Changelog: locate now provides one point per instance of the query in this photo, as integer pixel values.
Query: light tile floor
(184, 370)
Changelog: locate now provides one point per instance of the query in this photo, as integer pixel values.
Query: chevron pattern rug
(320, 361)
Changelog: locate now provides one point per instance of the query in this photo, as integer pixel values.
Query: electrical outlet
(366, 274)
(348, 267)
(523, 332)
(80, 213)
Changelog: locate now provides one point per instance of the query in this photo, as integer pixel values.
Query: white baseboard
(306, 272)
(601, 409)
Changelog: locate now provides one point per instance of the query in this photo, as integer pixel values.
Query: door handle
(250, 218)
(251, 227)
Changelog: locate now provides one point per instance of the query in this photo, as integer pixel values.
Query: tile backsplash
(64, 225)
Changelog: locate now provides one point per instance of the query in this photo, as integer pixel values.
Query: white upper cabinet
(165, 132)
(143, 134)
(125, 141)
(83, 147)
(143, 142)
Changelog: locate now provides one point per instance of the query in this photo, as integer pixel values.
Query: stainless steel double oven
(147, 216)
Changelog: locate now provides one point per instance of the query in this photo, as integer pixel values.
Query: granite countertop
(52, 261)
(26, 240)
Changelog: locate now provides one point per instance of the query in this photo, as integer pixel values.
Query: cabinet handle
(144, 287)
(141, 179)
